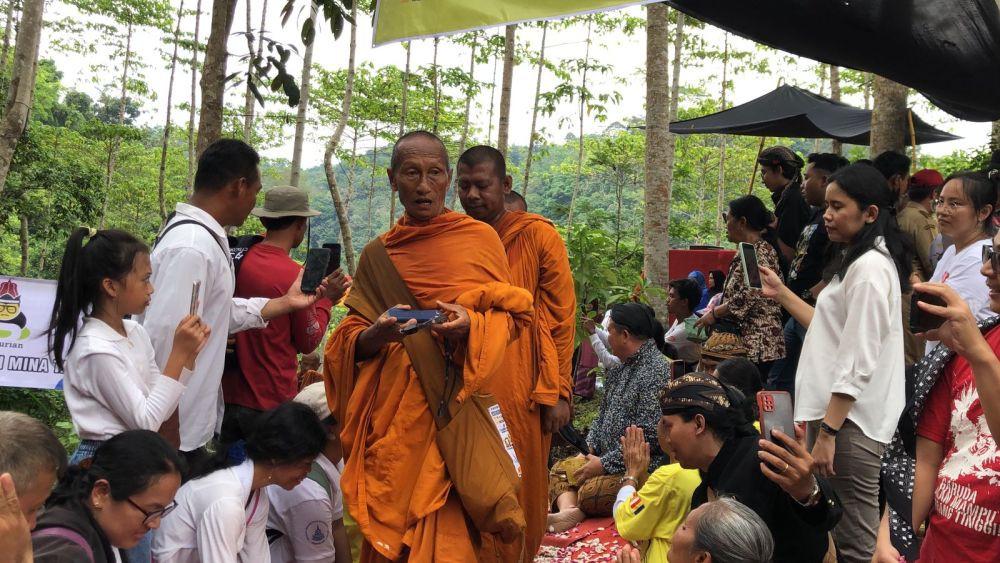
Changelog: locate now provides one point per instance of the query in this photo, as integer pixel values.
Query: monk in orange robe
(536, 391)
(395, 483)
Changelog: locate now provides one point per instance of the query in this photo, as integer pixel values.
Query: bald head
(515, 202)
(420, 138)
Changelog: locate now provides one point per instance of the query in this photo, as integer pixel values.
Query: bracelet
(827, 429)
(813, 496)
(635, 481)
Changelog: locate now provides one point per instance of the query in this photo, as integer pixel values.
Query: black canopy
(949, 50)
(790, 111)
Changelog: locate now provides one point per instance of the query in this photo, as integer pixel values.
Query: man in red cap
(916, 218)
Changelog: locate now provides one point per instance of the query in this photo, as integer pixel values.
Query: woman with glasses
(110, 501)
(222, 509)
(964, 211)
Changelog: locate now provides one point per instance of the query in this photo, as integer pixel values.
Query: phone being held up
(921, 321)
(315, 269)
(751, 270)
(775, 413)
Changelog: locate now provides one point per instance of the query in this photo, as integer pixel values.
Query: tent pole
(913, 140)
(753, 176)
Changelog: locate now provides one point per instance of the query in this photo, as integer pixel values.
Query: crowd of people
(205, 437)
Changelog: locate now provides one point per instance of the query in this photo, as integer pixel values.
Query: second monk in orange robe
(536, 387)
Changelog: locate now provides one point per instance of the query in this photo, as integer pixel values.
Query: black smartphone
(315, 269)
(334, 263)
(424, 318)
(920, 320)
(677, 368)
(751, 271)
(775, 413)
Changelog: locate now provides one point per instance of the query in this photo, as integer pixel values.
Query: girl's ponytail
(69, 297)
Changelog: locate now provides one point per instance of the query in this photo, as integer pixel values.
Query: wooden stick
(753, 177)
(913, 140)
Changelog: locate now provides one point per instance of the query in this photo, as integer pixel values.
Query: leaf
(231, 77)
(308, 31)
(286, 11)
(255, 92)
(338, 25)
(291, 90)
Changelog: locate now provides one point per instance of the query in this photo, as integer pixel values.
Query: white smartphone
(751, 271)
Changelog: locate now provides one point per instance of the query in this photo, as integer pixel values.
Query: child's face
(131, 295)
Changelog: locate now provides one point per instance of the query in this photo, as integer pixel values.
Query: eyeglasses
(991, 254)
(951, 204)
(153, 514)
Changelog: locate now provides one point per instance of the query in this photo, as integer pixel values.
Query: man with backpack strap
(192, 249)
(262, 373)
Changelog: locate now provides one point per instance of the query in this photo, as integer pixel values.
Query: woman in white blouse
(964, 211)
(222, 509)
(849, 386)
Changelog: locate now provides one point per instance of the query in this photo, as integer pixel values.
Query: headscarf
(699, 278)
(703, 392)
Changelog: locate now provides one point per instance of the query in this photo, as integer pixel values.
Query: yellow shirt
(656, 510)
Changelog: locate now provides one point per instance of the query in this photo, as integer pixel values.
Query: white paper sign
(25, 310)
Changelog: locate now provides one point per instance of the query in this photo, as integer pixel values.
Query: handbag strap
(67, 534)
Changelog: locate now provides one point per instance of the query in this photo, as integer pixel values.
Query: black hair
(688, 290)
(514, 197)
(892, 163)
(130, 462)
(482, 153)
(395, 159)
(981, 191)
(724, 423)
(289, 433)
(866, 186)
(279, 223)
(920, 192)
(86, 263)
(224, 161)
(827, 161)
(865, 161)
(759, 218)
(640, 320)
(718, 281)
(782, 158)
(742, 374)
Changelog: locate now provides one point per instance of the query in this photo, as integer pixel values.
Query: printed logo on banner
(12, 320)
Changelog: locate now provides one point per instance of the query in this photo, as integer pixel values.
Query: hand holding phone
(334, 263)
(751, 270)
(423, 318)
(921, 321)
(775, 413)
(195, 298)
(317, 260)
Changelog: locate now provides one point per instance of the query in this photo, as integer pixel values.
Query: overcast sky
(626, 53)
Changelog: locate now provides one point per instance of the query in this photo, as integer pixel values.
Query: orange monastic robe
(538, 370)
(395, 484)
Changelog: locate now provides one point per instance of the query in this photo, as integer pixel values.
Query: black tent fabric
(790, 111)
(949, 50)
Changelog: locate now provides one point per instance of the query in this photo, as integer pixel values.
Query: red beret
(927, 177)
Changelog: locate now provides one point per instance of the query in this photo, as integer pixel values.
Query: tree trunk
(583, 107)
(22, 78)
(868, 89)
(343, 216)
(402, 128)
(8, 29)
(721, 192)
(995, 136)
(249, 102)
(189, 185)
(24, 244)
(116, 142)
(493, 91)
(889, 120)
(300, 117)
(836, 146)
(659, 154)
(465, 127)
(503, 128)
(534, 111)
(166, 126)
(371, 185)
(435, 80)
(213, 74)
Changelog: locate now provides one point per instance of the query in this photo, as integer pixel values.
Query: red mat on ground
(595, 540)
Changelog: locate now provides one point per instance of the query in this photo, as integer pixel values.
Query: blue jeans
(782, 375)
(143, 551)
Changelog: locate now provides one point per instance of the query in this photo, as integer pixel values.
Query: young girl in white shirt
(222, 509)
(964, 212)
(849, 386)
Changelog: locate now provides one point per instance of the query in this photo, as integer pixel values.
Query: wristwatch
(635, 481)
(813, 497)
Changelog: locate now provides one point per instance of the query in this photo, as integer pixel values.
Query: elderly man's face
(32, 498)
(422, 178)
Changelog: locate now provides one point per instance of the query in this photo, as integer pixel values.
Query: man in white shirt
(191, 249)
(307, 522)
(684, 298)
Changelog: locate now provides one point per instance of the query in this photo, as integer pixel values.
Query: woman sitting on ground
(110, 501)
(221, 511)
(586, 485)
(707, 428)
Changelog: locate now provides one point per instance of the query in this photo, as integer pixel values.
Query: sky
(625, 53)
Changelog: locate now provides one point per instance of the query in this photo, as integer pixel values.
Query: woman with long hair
(850, 384)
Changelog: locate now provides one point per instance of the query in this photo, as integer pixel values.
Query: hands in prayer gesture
(635, 451)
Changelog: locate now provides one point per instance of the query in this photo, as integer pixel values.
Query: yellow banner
(402, 20)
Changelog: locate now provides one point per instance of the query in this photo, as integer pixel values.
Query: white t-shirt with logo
(961, 271)
(304, 516)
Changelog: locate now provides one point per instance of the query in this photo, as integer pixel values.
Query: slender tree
(995, 136)
(583, 108)
(721, 191)
(402, 129)
(835, 93)
(503, 129)
(8, 31)
(249, 103)
(534, 110)
(659, 153)
(343, 213)
(194, 100)
(25, 246)
(213, 73)
(22, 79)
(167, 125)
(436, 83)
(493, 91)
(116, 143)
(300, 117)
(889, 119)
(468, 112)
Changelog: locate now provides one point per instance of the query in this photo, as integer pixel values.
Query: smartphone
(751, 271)
(775, 413)
(920, 320)
(315, 269)
(424, 317)
(677, 368)
(334, 263)
(195, 295)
